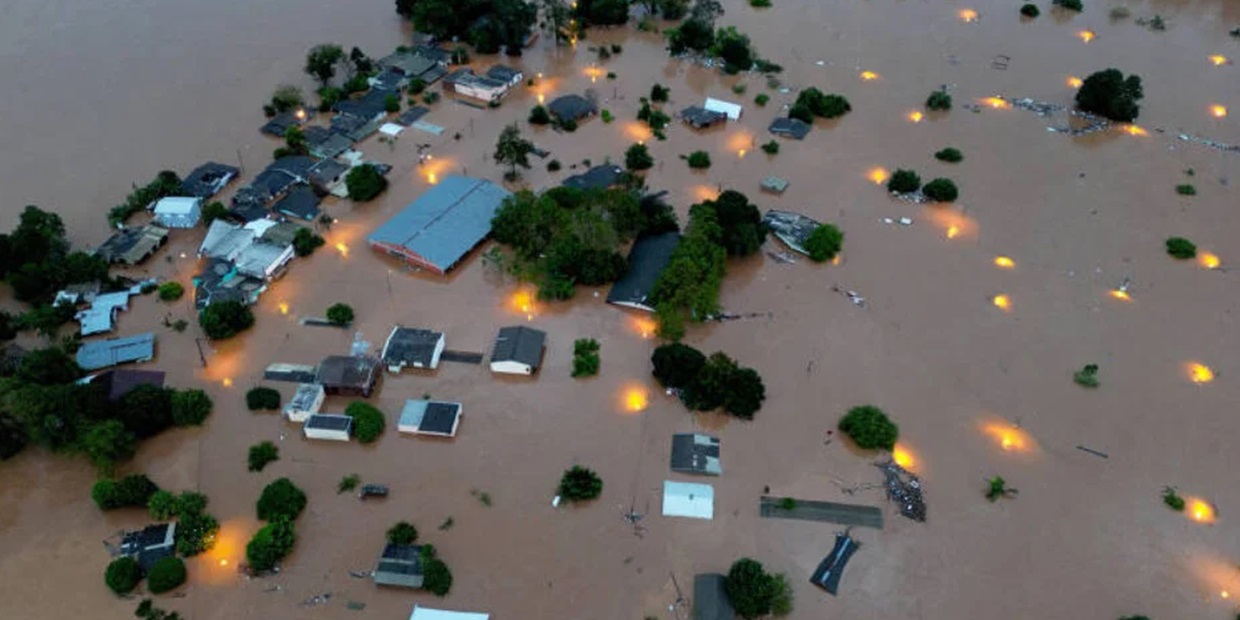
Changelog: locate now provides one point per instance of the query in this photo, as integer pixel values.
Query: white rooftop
(732, 110)
(426, 613)
(684, 499)
(176, 205)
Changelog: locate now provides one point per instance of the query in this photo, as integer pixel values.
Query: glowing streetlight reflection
(1010, 438)
(343, 249)
(1218, 111)
(1218, 60)
(541, 98)
(1200, 373)
(1208, 260)
(914, 116)
(227, 382)
(1201, 511)
(635, 399)
(1120, 294)
(869, 76)
(1086, 35)
(283, 307)
(878, 175)
(953, 232)
(1002, 302)
(1134, 130)
(1004, 262)
(997, 103)
(968, 15)
(903, 457)
(1075, 82)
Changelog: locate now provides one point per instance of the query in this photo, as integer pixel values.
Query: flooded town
(672, 309)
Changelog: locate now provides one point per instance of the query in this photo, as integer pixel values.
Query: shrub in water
(940, 190)
(1181, 248)
(904, 182)
(870, 428)
(770, 148)
(698, 160)
(123, 575)
(1071, 5)
(949, 155)
(1186, 189)
(368, 422)
(824, 243)
(1087, 376)
(1030, 10)
(1172, 499)
(580, 484)
(166, 574)
(262, 398)
(939, 100)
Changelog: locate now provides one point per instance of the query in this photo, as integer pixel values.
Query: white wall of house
(511, 367)
(438, 351)
(178, 212)
(480, 91)
(312, 432)
(300, 412)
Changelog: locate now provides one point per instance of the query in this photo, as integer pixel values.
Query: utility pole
(201, 356)
(240, 162)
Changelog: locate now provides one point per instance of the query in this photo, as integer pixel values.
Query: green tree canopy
(270, 544)
(870, 428)
(637, 157)
(123, 575)
(677, 365)
(166, 574)
(512, 150)
(225, 319)
(824, 243)
(753, 592)
(281, 498)
(580, 484)
(147, 410)
(365, 183)
(321, 61)
(196, 533)
(1108, 93)
(262, 398)
(132, 490)
(107, 443)
(262, 454)
(49, 366)
(403, 533)
(368, 422)
(340, 314)
(190, 407)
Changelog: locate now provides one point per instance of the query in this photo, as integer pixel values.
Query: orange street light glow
(878, 175)
(1002, 302)
(1208, 260)
(283, 307)
(1200, 511)
(740, 153)
(1086, 35)
(997, 103)
(1134, 130)
(431, 178)
(1218, 60)
(643, 326)
(968, 15)
(541, 98)
(914, 117)
(1120, 294)
(837, 259)
(903, 457)
(227, 382)
(1004, 262)
(1218, 111)
(635, 399)
(953, 232)
(1074, 82)
(301, 115)
(1200, 373)
(869, 76)
(343, 249)
(1010, 438)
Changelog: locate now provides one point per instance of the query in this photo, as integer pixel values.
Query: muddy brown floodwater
(102, 94)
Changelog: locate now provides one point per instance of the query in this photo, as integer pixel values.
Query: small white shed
(178, 211)
(684, 499)
(306, 401)
(731, 110)
(330, 426)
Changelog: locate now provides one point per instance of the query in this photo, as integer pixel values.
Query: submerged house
(150, 544)
(328, 426)
(399, 566)
(508, 75)
(685, 499)
(518, 350)
(650, 254)
(794, 128)
(360, 117)
(726, 108)
(115, 384)
(279, 125)
(96, 354)
(443, 225)
(695, 453)
(300, 202)
(599, 177)
(306, 401)
(793, 229)
(571, 108)
(250, 202)
(178, 212)
(348, 375)
(417, 348)
(710, 598)
(325, 143)
(208, 179)
(219, 281)
(425, 64)
(701, 118)
(430, 417)
(465, 83)
(100, 317)
(133, 245)
(327, 175)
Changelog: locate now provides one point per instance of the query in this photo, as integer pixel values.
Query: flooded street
(105, 94)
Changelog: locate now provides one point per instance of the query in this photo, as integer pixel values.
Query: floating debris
(1230, 148)
(317, 600)
(904, 488)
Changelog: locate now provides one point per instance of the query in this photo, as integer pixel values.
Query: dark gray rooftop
(694, 453)
(710, 599)
(300, 202)
(117, 383)
(399, 565)
(503, 73)
(329, 422)
(827, 575)
(208, 179)
(571, 107)
(790, 127)
(650, 254)
(446, 221)
(366, 107)
(598, 177)
(411, 116)
(337, 371)
(410, 346)
(328, 172)
(440, 417)
(280, 124)
(519, 344)
(701, 117)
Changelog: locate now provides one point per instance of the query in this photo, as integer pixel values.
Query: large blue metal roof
(446, 222)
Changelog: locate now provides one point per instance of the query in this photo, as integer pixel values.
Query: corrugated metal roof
(446, 222)
(177, 205)
(97, 354)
